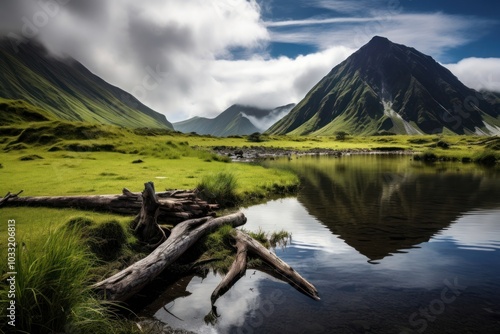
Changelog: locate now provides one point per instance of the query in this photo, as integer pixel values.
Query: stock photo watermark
(419, 320)
(393, 8)
(150, 81)
(11, 272)
(265, 310)
(32, 25)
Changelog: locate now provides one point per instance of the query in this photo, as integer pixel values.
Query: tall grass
(52, 288)
(219, 188)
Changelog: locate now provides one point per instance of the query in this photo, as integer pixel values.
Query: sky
(188, 58)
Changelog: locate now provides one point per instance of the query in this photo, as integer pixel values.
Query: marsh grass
(52, 288)
(220, 188)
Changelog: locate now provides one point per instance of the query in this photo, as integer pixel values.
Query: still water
(392, 245)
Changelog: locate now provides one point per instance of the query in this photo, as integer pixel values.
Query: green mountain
(35, 86)
(236, 120)
(388, 87)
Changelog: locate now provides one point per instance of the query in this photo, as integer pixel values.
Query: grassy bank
(55, 266)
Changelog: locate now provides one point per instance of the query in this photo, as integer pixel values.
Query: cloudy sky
(197, 57)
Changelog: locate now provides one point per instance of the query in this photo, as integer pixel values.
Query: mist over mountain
(387, 87)
(35, 86)
(236, 120)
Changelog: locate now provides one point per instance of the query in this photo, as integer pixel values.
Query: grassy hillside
(36, 86)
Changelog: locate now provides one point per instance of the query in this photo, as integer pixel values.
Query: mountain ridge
(235, 120)
(388, 87)
(33, 81)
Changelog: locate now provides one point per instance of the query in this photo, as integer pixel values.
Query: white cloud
(314, 21)
(273, 82)
(177, 56)
(478, 73)
(433, 33)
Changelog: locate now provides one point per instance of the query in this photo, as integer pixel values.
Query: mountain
(388, 87)
(236, 120)
(36, 86)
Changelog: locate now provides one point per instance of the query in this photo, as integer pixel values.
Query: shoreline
(259, 153)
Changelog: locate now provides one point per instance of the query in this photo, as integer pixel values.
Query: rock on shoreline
(253, 153)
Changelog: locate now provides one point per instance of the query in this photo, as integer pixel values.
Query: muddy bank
(254, 153)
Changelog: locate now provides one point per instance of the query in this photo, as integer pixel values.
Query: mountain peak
(389, 87)
(379, 40)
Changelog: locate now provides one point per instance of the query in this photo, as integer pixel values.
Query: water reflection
(439, 226)
(380, 207)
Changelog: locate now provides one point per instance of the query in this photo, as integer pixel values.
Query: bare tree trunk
(146, 226)
(129, 281)
(175, 206)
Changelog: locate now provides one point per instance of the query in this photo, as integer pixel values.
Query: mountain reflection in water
(380, 207)
(381, 238)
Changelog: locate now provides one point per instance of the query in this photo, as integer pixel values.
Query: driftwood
(175, 206)
(126, 283)
(192, 218)
(277, 268)
(236, 271)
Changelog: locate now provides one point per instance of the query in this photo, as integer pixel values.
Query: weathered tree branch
(9, 196)
(126, 283)
(277, 268)
(237, 271)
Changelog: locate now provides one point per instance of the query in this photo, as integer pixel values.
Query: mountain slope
(390, 87)
(236, 120)
(35, 83)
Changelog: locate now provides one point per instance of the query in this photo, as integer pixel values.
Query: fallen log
(175, 206)
(129, 281)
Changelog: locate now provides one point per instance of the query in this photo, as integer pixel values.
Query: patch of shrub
(30, 157)
(418, 141)
(219, 188)
(76, 147)
(341, 135)
(106, 240)
(79, 223)
(442, 144)
(255, 137)
(55, 149)
(486, 157)
(427, 157)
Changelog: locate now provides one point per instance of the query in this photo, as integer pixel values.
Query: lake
(392, 245)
